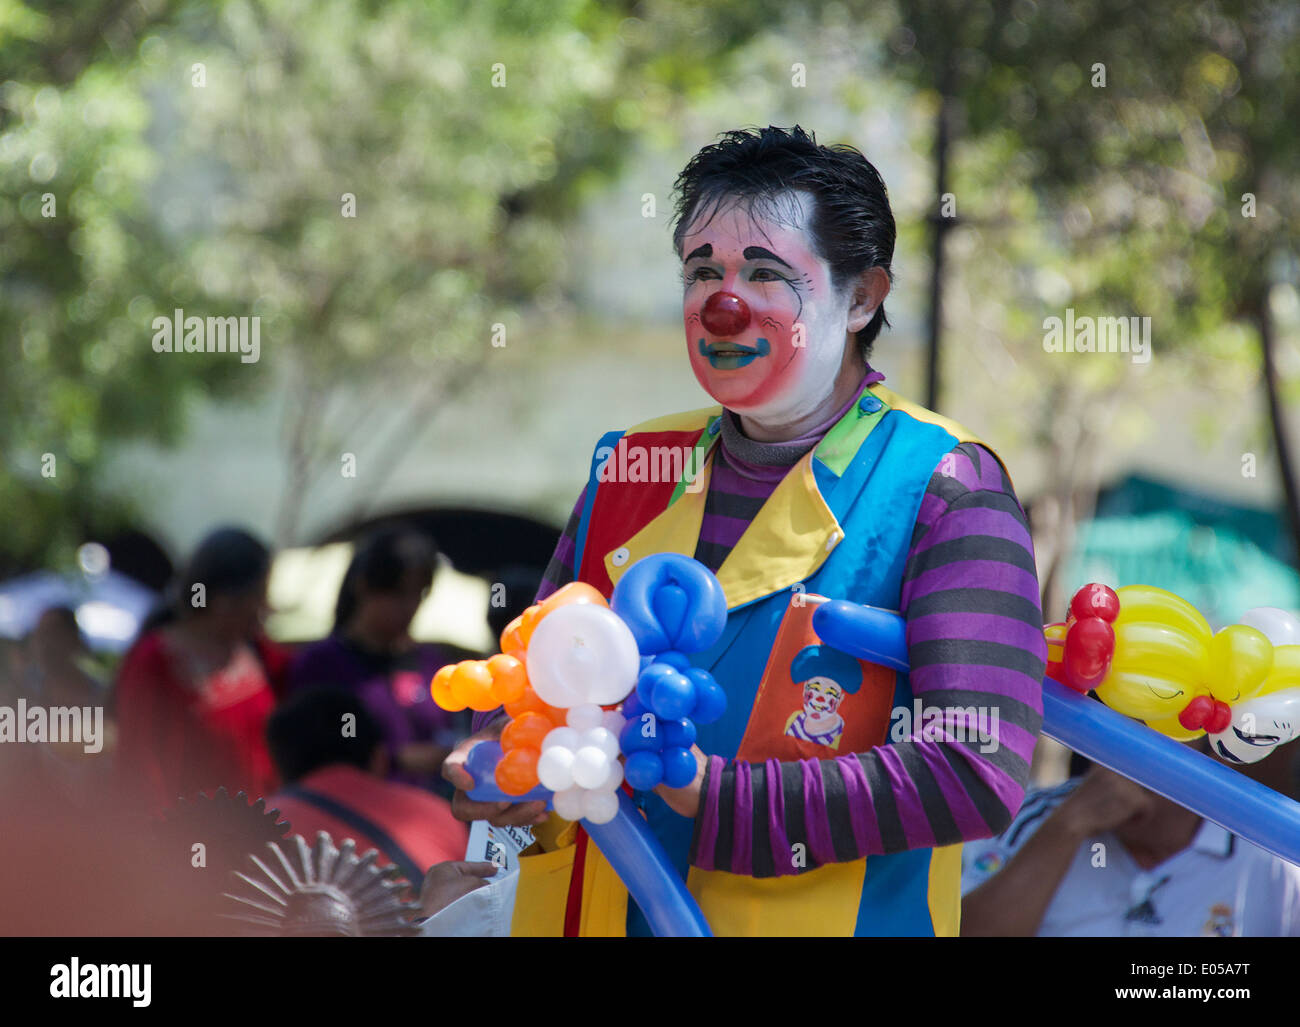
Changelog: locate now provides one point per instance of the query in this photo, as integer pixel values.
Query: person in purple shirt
(370, 653)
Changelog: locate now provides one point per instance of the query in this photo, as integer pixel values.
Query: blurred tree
(79, 256)
(384, 185)
(1119, 160)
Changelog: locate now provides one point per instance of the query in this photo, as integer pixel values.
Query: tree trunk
(1262, 317)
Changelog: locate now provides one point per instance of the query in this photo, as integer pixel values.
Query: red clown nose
(725, 314)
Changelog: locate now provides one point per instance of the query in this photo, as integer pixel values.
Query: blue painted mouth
(727, 356)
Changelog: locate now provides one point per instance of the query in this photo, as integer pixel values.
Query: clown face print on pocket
(827, 676)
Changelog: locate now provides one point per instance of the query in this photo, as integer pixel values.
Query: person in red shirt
(194, 693)
(330, 751)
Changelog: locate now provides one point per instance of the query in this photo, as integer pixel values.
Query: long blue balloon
(1193, 780)
(632, 849)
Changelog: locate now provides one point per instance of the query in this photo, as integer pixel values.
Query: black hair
(380, 561)
(229, 561)
(852, 226)
(310, 731)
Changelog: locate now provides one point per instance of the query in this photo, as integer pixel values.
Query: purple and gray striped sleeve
(976, 646)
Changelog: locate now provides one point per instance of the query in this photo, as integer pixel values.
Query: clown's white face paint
(783, 366)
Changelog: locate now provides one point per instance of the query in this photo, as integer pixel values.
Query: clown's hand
(686, 801)
(498, 814)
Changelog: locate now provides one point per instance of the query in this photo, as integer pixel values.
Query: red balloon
(1219, 719)
(1095, 600)
(1088, 649)
(1197, 712)
(1057, 673)
(725, 314)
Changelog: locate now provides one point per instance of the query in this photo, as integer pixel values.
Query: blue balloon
(670, 603)
(643, 770)
(651, 676)
(633, 850)
(641, 735)
(673, 697)
(678, 734)
(633, 707)
(674, 659)
(639, 859)
(482, 764)
(867, 632)
(710, 699)
(666, 622)
(680, 767)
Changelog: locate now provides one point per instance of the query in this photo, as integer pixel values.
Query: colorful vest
(838, 525)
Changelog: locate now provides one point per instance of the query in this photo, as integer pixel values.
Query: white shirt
(1220, 885)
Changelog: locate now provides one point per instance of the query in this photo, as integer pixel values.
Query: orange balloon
(527, 621)
(512, 644)
(509, 679)
(526, 732)
(530, 702)
(471, 684)
(573, 592)
(517, 771)
(440, 689)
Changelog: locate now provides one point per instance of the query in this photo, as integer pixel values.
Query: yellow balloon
(1240, 659)
(1149, 647)
(1285, 672)
(1139, 603)
(1174, 730)
(1055, 635)
(1144, 696)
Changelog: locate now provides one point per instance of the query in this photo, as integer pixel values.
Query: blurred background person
(56, 671)
(58, 660)
(331, 754)
(1100, 856)
(194, 692)
(371, 654)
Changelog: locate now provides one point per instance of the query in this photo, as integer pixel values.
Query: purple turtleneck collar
(771, 461)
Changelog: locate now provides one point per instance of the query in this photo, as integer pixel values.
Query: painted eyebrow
(762, 253)
(750, 253)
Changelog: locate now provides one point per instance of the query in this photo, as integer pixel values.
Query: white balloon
(590, 767)
(615, 777)
(585, 717)
(555, 768)
(582, 653)
(1259, 726)
(613, 722)
(570, 803)
(604, 740)
(1281, 627)
(565, 737)
(600, 807)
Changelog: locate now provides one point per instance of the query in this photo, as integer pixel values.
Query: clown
(826, 675)
(806, 479)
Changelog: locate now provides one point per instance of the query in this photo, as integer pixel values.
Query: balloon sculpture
(567, 664)
(1152, 656)
(1151, 758)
